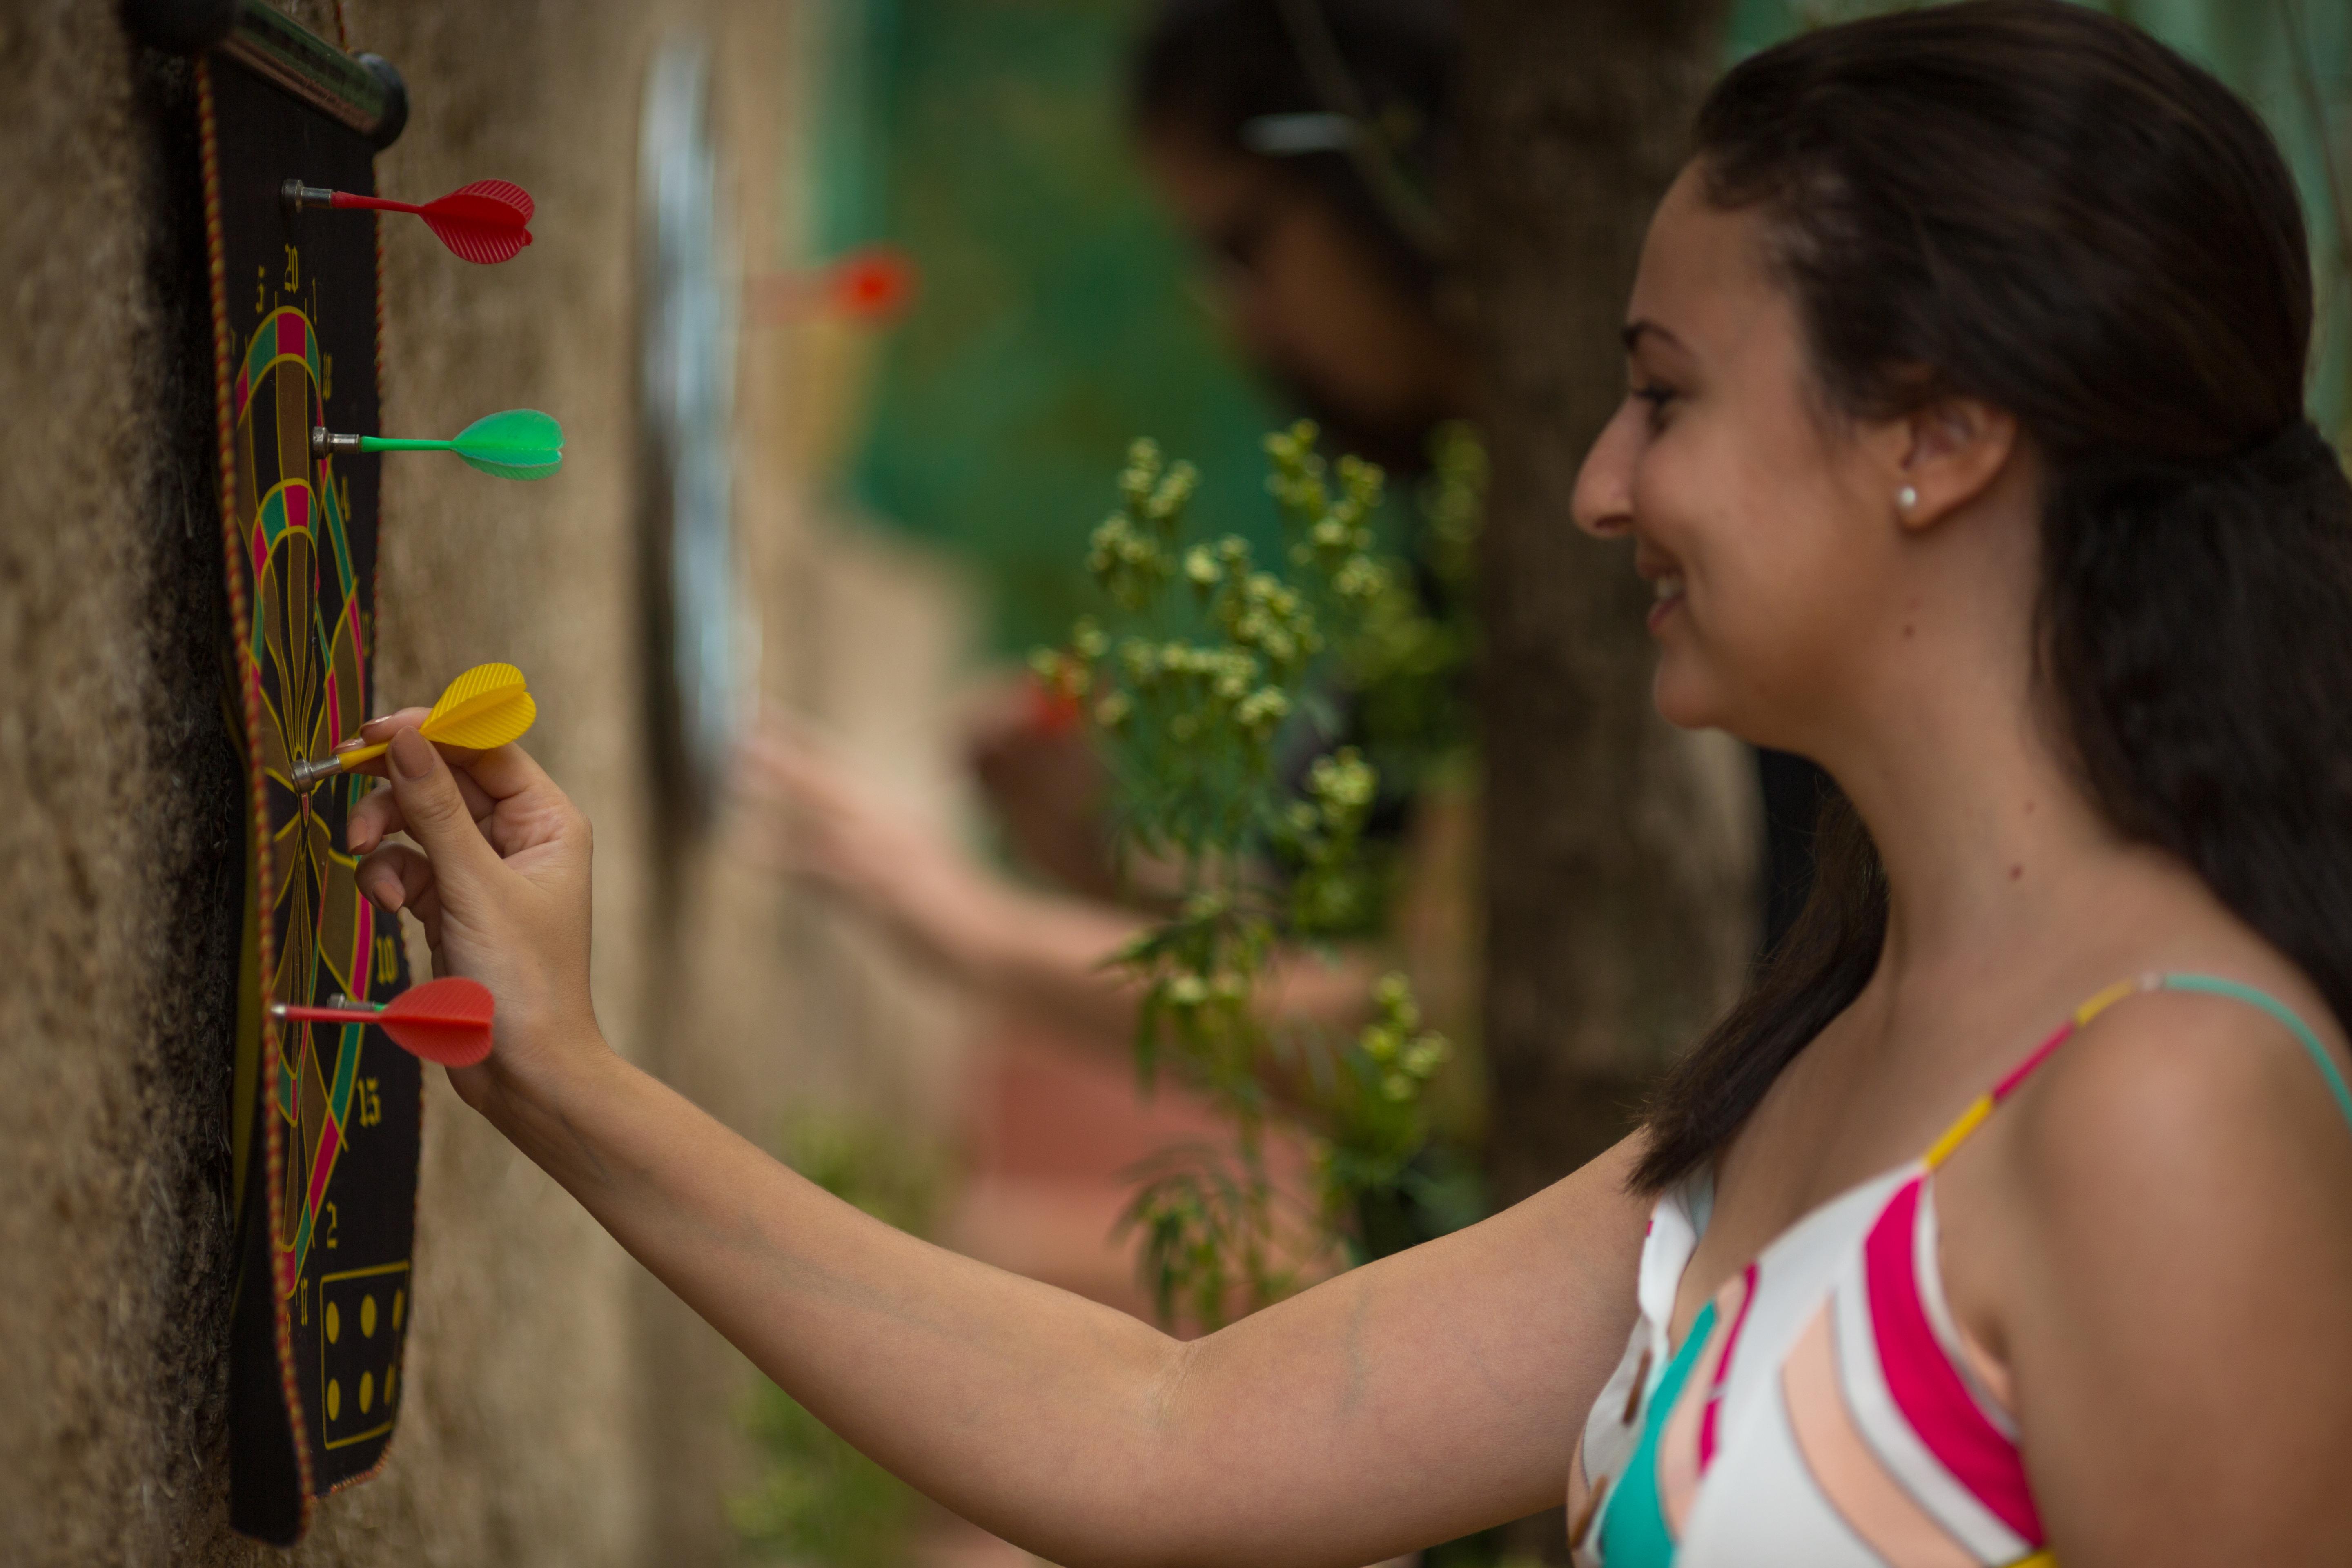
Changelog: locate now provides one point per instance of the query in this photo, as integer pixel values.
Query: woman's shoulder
(2191, 1097)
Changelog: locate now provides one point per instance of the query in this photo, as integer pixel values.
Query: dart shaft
(326, 443)
(298, 196)
(307, 776)
(294, 1015)
(378, 204)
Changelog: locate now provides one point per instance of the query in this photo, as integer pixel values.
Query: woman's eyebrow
(1635, 330)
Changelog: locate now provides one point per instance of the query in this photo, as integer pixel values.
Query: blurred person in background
(1302, 145)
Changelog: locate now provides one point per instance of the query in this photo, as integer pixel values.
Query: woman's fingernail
(412, 755)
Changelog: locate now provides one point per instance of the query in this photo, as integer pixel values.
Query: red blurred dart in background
(874, 284)
(485, 222)
(445, 1021)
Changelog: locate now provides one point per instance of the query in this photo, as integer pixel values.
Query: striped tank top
(1825, 1408)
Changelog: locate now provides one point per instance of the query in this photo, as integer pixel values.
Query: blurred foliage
(817, 1501)
(1207, 657)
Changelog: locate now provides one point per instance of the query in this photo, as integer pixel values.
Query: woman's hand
(500, 885)
(819, 821)
(1045, 785)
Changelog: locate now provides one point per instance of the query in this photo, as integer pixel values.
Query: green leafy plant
(818, 1500)
(1202, 680)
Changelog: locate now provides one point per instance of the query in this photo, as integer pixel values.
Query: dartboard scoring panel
(326, 1117)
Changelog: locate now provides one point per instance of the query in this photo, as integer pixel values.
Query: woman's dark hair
(1226, 73)
(2031, 204)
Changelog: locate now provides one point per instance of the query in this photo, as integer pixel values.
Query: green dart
(519, 444)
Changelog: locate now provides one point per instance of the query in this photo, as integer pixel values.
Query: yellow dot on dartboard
(334, 1324)
(367, 1316)
(367, 1391)
(399, 1300)
(334, 1398)
(390, 1380)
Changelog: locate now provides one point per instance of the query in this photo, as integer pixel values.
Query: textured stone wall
(559, 1409)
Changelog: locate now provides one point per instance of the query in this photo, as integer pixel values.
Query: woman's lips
(1668, 588)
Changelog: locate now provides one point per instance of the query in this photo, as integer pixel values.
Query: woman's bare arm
(1402, 1404)
(1398, 1404)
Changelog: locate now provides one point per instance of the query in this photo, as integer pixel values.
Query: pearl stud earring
(1906, 498)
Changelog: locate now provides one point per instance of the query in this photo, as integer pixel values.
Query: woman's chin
(1685, 697)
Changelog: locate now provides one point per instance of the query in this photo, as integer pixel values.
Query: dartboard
(324, 1117)
(305, 672)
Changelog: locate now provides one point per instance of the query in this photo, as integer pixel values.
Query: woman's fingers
(433, 810)
(379, 815)
(381, 728)
(398, 877)
(783, 764)
(395, 876)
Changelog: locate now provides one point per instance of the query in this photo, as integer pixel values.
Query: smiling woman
(1966, 448)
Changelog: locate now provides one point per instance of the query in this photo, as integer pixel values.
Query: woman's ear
(1956, 447)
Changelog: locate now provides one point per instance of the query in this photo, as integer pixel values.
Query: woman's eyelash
(1656, 397)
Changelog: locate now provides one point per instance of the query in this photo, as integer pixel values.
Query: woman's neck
(1997, 861)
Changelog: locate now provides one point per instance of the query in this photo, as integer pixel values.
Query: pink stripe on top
(1934, 1400)
(2024, 1069)
(1707, 1440)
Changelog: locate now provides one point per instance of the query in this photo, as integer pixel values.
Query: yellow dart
(487, 706)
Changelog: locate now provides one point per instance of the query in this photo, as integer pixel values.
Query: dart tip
(308, 776)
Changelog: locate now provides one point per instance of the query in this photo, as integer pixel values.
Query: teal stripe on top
(1634, 1532)
(2213, 985)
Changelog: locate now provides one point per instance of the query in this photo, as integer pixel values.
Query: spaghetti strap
(2213, 985)
(1982, 1106)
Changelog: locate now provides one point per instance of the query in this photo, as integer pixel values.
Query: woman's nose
(1604, 502)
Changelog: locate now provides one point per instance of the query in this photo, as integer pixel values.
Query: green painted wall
(1056, 322)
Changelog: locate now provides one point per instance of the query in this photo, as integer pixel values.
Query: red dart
(445, 1021)
(483, 222)
(874, 285)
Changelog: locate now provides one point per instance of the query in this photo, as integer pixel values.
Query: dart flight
(484, 223)
(486, 707)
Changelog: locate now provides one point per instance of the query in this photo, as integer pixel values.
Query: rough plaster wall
(119, 864)
(558, 1408)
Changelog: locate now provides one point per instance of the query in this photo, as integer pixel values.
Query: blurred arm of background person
(816, 816)
(1321, 283)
